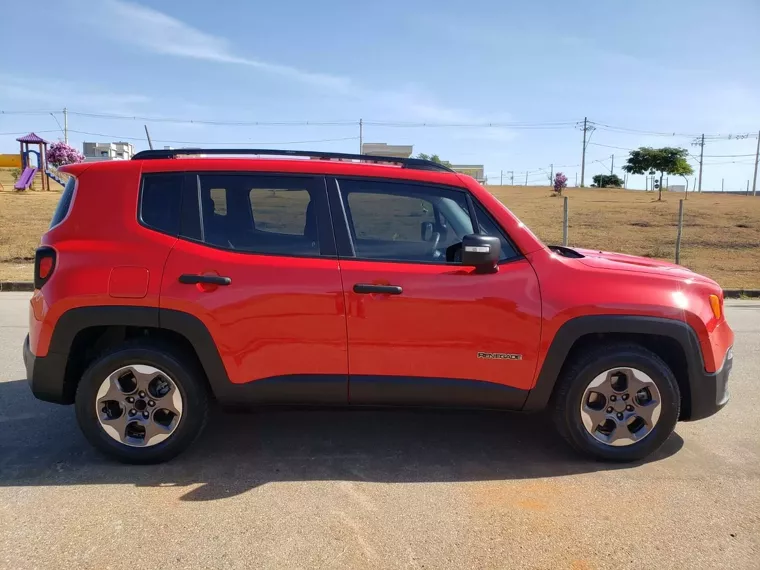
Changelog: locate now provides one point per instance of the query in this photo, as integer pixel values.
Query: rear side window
(160, 202)
(64, 204)
(266, 214)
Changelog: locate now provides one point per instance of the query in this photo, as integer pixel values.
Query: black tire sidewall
(185, 377)
(663, 378)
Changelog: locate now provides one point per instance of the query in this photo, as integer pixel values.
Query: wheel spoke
(637, 381)
(592, 418)
(620, 433)
(110, 391)
(172, 401)
(647, 412)
(116, 427)
(155, 430)
(144, 375)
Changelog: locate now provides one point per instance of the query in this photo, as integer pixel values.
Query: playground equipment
(29, 170)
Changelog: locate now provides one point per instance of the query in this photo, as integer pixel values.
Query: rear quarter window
(64, 204)
(160, 202)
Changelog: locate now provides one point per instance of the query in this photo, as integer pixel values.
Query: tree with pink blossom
(560, 183)
(60, 153)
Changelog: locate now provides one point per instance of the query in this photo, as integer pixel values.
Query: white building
(389, 150)
(94, 151)
(477, 171)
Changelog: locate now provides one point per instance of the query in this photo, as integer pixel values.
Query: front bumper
(46, 376)
(709, 391)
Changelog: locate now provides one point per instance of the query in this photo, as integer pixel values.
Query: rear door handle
(192, 279)
(367, 288)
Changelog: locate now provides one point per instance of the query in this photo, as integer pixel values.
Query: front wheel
(142, 403)
(618, 402)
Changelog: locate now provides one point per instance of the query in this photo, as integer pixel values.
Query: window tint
(268, 205)
(160, 202)
(260, 214)
(489, 227)
(399, 221)
(64, 204)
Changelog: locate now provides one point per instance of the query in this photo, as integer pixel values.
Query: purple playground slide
(26, 178)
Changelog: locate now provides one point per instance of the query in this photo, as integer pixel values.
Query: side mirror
(481, 252)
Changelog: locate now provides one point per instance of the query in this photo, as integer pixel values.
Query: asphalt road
(397, 489)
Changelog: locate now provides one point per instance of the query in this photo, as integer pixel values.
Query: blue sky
(676, 66)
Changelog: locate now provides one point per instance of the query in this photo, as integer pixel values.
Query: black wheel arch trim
(574, 329)
(49, 382)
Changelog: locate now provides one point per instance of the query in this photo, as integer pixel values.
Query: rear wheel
(618, 402)
(142, 403)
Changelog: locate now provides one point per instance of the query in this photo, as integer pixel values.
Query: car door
(422, 328)
(256, 264)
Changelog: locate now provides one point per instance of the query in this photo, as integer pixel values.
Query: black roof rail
(416, 163)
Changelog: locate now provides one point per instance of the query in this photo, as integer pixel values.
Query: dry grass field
(721, 236)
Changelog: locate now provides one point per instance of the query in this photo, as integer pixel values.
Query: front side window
(260, 214)
(488, 227)
(402, 221)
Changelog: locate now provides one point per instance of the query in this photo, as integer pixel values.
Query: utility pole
(583, 160)
(526, 177)
(501, 178)
(625, 181)
(65, 125)
(576, 180)
(701, 157)
(512, 177)
(147, 134)
(757, 158)
(612, 164)
(551, 174)
(722, 184)
(361, 135)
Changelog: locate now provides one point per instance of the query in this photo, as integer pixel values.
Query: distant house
(389, 150)
(94, 151)
(477, 171)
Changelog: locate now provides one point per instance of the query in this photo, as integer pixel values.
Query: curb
(16, 286)
(738, 293)
(29, 286)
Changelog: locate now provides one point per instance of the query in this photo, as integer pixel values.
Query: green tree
(434, 158)
(666, 160)
(607, 181)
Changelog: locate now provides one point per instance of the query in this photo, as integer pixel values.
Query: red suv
(321, 278)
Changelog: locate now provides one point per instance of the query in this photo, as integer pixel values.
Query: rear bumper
(709, 391)
(46, 376)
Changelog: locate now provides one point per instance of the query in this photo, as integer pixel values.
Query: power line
(115, 137)
(27, 132)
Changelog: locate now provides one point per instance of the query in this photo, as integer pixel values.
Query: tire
(576, 378)
(180, 368)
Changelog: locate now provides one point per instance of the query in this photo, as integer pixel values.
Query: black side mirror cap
(481, 252)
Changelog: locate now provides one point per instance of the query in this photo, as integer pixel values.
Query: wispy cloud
(57, 92)
(156, 32)
(159, 33)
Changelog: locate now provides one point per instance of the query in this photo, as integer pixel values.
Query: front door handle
(367, 288)
(192, 279)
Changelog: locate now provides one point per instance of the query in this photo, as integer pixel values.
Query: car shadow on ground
(40, 444)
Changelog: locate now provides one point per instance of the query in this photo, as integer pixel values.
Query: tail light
(44, 265)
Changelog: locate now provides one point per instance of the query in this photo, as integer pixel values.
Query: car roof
(363, 167)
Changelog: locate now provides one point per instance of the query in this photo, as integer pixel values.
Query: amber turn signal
(715, 304)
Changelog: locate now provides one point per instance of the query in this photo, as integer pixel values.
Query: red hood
(623, 262)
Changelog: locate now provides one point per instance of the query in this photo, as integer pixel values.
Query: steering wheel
(435, 239)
